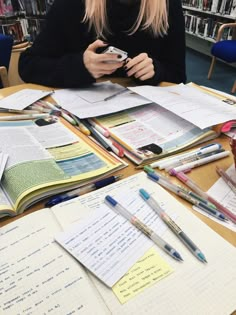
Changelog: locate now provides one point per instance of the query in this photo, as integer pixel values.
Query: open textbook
(38, 276)
(44, 158)
(151, 132)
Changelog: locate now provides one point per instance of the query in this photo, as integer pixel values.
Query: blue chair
(224, 49)
(6, 43)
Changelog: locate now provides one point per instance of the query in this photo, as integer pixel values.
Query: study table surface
(205, 176)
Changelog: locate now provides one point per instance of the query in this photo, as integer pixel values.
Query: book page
(23, 98)
(149, 124)
(189, 103)
(37, 276)
(193, 287)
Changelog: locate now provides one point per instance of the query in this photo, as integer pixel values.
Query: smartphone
(117, 51)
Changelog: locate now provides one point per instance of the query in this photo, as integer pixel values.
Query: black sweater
(56, 56)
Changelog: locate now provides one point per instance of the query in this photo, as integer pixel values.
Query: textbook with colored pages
(150, 132)
(39, 277)
(47, 157)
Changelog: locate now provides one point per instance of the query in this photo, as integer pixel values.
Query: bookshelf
(203, 19)
(23, 19)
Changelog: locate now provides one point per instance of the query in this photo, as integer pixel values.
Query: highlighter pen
(183, 156)
(112, 203)
(82, 190)
(189, 166)
(105, 132)
(192, 159)
(172, 225)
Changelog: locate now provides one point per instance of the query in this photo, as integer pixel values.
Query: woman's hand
(99, 65)
(141, 67)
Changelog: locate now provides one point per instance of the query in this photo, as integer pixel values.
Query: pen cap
(111, 201)
(148, 169)
(153, 176)
(104, 182)
(144, 194)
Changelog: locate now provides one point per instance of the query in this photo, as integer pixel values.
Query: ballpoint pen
(227, 179)
(172, 225)
(186, 196)
(19, 111)
(22, 117)
(190, 183)
(142, 227)
(189, 166)
(82, 190)
(171, 160)
(148, 169)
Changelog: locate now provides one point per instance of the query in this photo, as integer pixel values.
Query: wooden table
(205, 176)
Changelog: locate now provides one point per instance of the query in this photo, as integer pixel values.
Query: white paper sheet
(189, 103)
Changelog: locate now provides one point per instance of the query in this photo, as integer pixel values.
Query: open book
(46, 158)
(151, 132)
(39, 276)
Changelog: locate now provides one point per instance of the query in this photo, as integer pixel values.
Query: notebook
(39, 276)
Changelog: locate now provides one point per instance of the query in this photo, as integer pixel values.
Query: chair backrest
(6, 43)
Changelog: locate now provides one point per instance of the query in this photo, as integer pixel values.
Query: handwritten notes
(148, 270)
(36, 275)
(106, 243)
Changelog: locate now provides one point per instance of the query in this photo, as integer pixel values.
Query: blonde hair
(152, 15)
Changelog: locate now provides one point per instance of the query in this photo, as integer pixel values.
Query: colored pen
(116, 94)
(172, 225)
(95, 134)
(82, 190)
(105, 132)
(190, 183)
(22, 117)
(113, 146)
(202, 150)
(182, 194)
(143, 228)
(19, 111)
(227, 179)
(189, 166)
(191, 193)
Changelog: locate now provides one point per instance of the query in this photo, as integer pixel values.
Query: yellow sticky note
(148, 270)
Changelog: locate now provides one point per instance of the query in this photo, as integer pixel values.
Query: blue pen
(143, 228)
(172, 225)
(81, 191)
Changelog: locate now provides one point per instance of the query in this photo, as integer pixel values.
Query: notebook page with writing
(193, 287)
(37, 276)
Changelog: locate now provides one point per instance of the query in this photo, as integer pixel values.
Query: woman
(65, 54)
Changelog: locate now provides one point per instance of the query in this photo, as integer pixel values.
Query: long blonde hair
(152, 15)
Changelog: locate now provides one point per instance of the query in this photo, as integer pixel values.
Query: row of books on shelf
(27, 7)
(21, 29)
(206, 27)
(224, 7)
